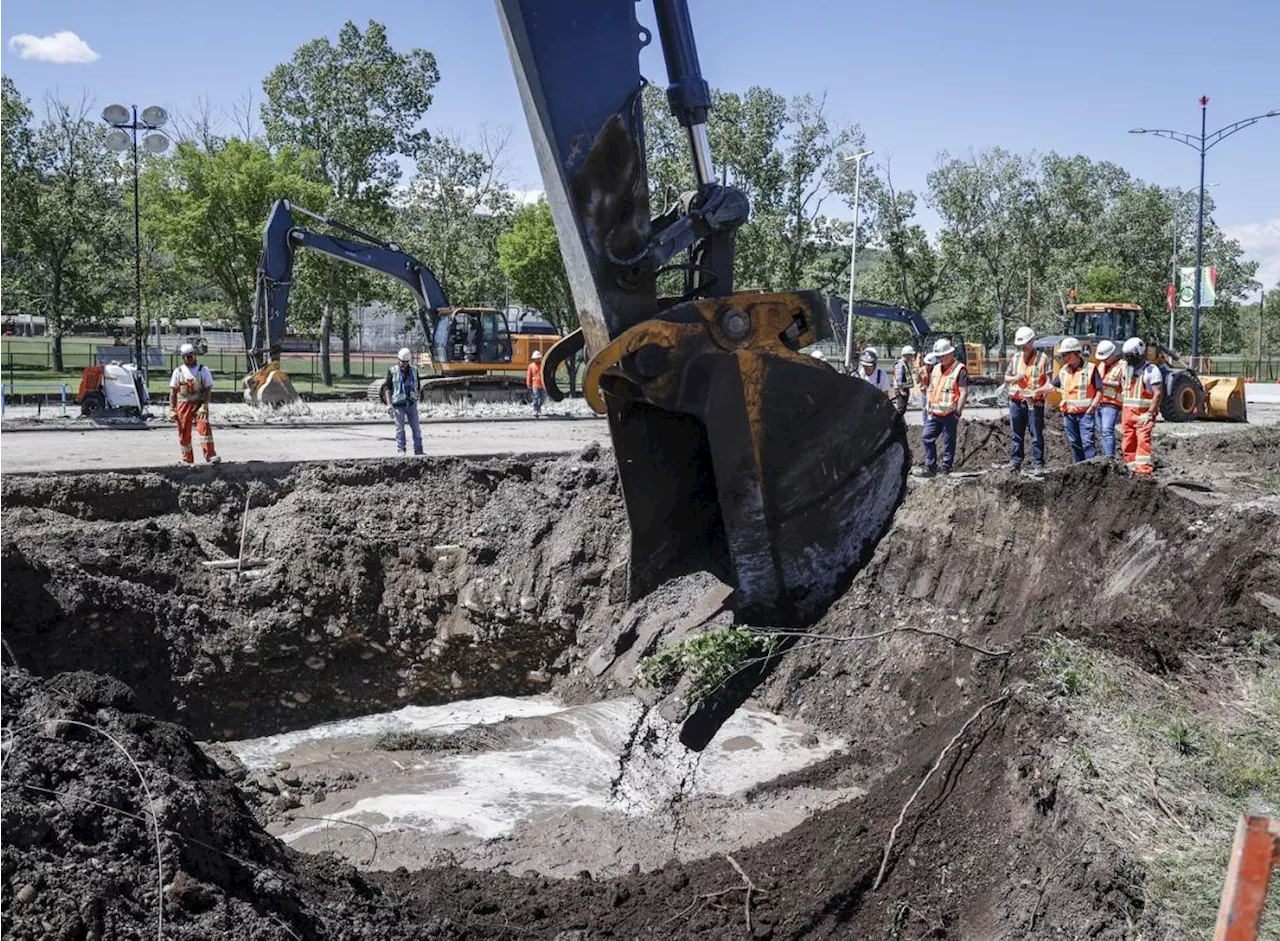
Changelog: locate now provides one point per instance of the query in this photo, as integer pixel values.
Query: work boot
(946, 469)
(1037, 470)
(216, 459)
(929, 472)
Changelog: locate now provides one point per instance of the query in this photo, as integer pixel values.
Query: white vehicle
(113, 388)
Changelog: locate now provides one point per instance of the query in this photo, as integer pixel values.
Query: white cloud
(1261, 243)
(62, 48)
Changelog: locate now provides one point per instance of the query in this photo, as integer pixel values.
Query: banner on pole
(1208, 284)
(1170, 298)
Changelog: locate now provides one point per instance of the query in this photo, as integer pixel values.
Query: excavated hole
(414, 594)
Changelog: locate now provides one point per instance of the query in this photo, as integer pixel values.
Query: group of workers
(1122, 389)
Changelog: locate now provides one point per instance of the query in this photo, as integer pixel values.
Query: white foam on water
(572, 762)
(257, 753)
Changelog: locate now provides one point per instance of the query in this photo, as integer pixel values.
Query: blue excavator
(738, 454)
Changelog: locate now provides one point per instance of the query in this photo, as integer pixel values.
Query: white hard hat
(931, 359)
(869, 356)
(1106, 349)
(404, 355)
(943, 347)
(1134, 345)
(908, 350)
(818, 354)
(1069, 345)
(1024, 336)
(186, 349)
(537, 354)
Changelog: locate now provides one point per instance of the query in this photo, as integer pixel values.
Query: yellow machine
(1189, 395)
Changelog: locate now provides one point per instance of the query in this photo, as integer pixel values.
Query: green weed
(707, 659)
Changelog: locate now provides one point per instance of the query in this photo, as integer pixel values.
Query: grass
(1270, 483)
(1210, 756)
(402, 741)
(707, 660)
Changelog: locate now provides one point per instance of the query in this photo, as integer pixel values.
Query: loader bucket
(1224, 398)
(269, 387)
(746, 458)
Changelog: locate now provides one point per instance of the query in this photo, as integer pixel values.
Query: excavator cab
(472, 335)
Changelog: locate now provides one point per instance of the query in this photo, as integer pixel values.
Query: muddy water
(543, 787)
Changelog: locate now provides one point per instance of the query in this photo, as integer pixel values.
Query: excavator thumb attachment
(565, 347)
(741, 456)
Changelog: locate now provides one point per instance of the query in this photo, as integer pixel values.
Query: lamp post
(853, 255)
(1204, 143)
(124, 119)
(1173, 268)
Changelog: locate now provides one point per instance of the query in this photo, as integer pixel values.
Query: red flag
(1168, 299)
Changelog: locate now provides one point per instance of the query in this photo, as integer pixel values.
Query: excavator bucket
(743, 457)
(269, 387)
(1224, 398)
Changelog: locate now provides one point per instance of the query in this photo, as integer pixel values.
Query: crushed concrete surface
(376, 587)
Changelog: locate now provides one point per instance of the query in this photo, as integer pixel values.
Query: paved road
(150, 447)
(26, 451)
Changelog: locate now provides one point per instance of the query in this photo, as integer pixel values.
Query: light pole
(1204, 143)
(126, 119)
(1173, 269)
(853, 255)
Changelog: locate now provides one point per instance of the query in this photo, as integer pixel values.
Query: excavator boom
(738, 454)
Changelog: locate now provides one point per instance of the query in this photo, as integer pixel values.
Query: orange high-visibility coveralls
(190, 385)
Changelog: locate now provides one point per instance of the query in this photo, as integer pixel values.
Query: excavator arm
(737, 454)
(875, 310)
(281, 237)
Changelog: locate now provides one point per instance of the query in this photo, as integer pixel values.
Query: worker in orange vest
(533, 382)
(944, 404)
(1028, 381)
(1111, 372)
(1081, 388)
(190, 389)
(1143, 391)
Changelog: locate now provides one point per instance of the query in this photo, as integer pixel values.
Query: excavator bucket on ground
(269, 387)
(1224, 398)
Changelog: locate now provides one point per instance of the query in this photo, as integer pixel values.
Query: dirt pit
(1044, 646)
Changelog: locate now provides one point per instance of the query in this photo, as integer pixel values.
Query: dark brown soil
(992, 848)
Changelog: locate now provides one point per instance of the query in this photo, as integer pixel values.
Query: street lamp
(853, 255)
(125, 119)
(1173, 266)
(1203, 144)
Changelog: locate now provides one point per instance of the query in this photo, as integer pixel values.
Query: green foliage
(206, 208)
(455, 210)
(1064, 668)
(403, 741)
(1181, 737)
(529, 256)
(358, 105)
(707, 659)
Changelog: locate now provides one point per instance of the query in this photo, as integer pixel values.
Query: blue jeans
(944, 425)
(1108, 418)
(538, 396)
(408, 413)
(1022, 414)
(1079, 431)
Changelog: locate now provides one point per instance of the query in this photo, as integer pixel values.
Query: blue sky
(919, 77)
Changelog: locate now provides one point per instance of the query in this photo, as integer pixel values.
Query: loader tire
(1184, 400)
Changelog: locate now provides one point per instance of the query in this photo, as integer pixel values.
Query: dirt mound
(982, 445)
(94, 791)
(383, 583)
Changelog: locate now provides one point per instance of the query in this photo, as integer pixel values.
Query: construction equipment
(1188, 394)
(971, 354)
(738, 454)
(112, 389)
(472, 351)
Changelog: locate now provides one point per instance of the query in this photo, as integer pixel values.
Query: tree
(914, 273)
(64, 232)
(18, 184)
(357, 105)
(456, 208)
(529, 256)
(207, 207)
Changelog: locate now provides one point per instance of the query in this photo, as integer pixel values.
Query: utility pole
(853, 256)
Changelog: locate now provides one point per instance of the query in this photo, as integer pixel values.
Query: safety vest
(1112, 383)
(1077, 389)
(402, 393)
(1136, 394)
(191, 383)
(1030, 376)
(533, 376)
(901, 375)
(944, 389)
